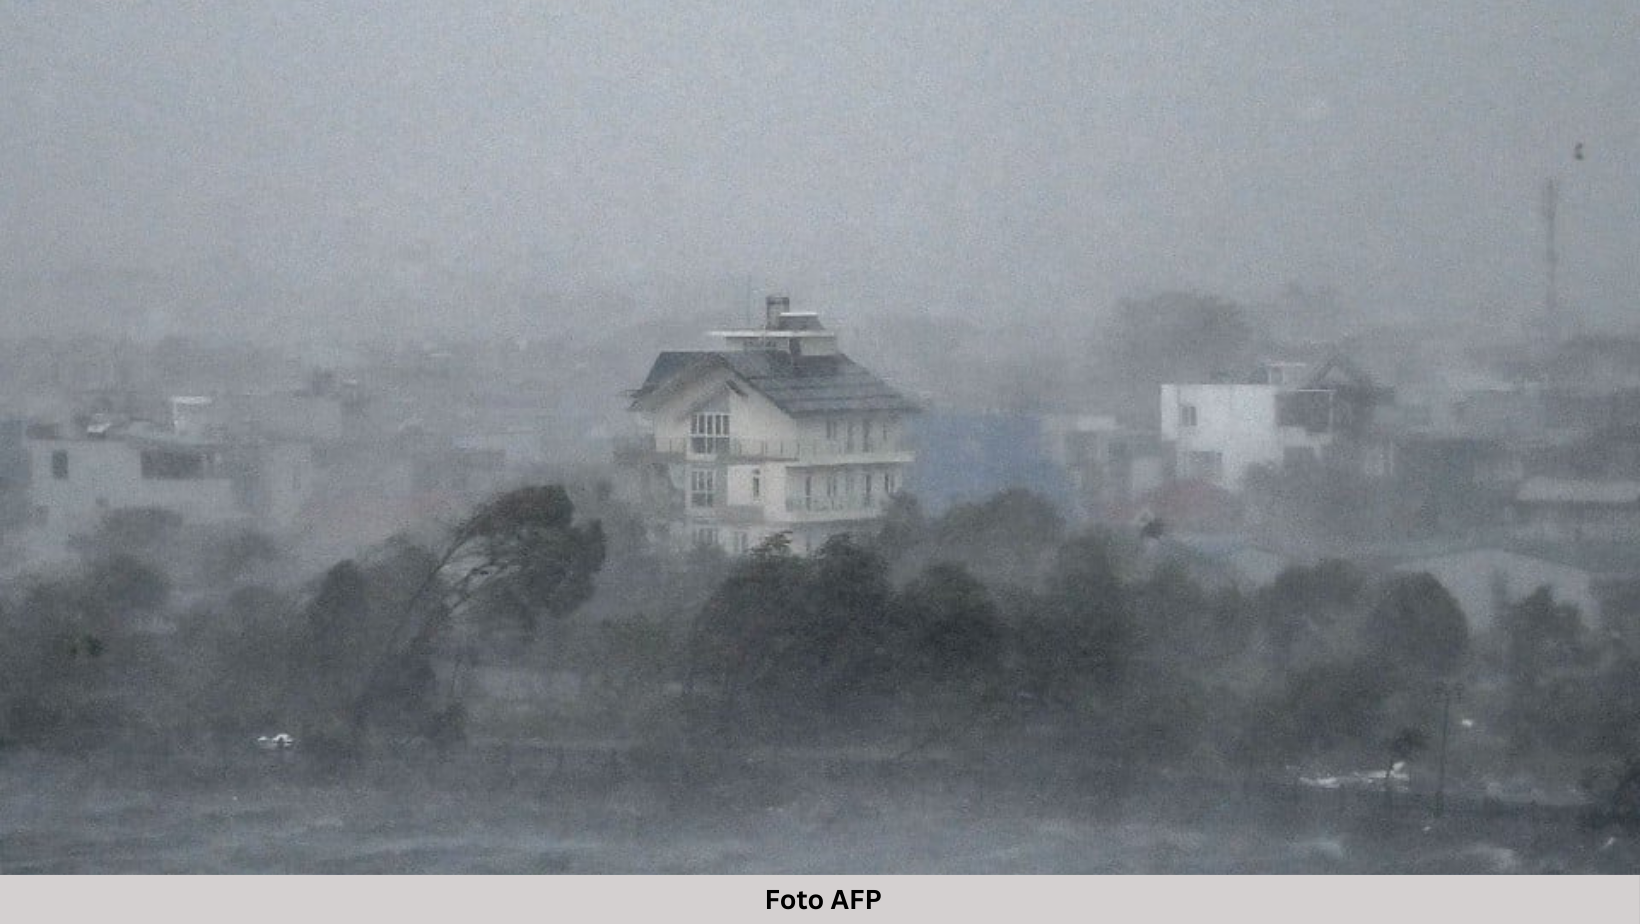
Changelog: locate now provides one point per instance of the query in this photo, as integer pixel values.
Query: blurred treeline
(989, 633)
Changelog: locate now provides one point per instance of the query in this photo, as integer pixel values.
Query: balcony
(841, 507)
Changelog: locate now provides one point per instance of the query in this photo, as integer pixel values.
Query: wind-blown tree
(1303, 604)
(1417, 628)
(1321, 708)
(1004, 538)
(124, 582)
(1077, 648)
(517, 558)
(55, 670)
(745, 633)
(843, 621)
(1545, 654)
(904, 527)
(825, 641)
(948, 634)
(1175, 615)
(148, 533)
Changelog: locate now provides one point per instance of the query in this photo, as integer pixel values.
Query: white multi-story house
(778, 432)
(69, 479)
(1287, 415)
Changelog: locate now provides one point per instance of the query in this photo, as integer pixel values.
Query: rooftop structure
(779, 432)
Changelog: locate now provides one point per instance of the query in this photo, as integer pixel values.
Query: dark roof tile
(796, 384)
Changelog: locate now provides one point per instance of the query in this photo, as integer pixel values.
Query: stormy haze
(268, 167)
(647, 437)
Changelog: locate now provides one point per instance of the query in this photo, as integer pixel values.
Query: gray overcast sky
(969, 156)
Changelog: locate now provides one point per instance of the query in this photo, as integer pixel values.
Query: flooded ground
(60, 815)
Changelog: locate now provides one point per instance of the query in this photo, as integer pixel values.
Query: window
(742, 542)
(709, 432)
(865, 435)
(1187, 415)
(757, 484)
(831, 430)
(1208, 466)
(59, 463)
(706, 535)
(869, 478)
(849, 447)
(888, 482)
(702, 487)
(831, 486)
(172, 465)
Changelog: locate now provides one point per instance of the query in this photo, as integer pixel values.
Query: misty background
(290, 172)
(412, 260)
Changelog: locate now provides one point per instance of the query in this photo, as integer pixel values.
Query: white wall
(107, 474)
(756, 425)
(1236, 421)
(752, 417)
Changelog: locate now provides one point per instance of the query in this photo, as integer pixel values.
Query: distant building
(282, 415)
(780, 432)
(1288, 414)
(73, 476)
(1109, 466)
(1573, 510)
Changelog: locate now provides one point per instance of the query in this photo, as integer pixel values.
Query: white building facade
(1221, 431)
(1287, 415)
(778, 433)
(70, 482)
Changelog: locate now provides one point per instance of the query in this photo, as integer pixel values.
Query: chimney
(773, 308)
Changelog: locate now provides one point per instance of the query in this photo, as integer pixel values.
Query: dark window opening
(172, 465)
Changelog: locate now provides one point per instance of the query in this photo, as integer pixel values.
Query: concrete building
(1577, 510)
(74, 476)
(779, 432)
(1288, 414)
(1109, 466)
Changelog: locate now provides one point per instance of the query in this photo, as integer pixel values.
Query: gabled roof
(795, 384)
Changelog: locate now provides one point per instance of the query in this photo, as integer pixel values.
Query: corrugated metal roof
(796, 384)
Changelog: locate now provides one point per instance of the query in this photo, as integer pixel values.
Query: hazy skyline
(968, 157)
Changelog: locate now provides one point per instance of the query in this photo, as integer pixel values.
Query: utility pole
(1447, 692)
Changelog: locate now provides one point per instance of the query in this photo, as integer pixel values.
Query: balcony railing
(728, 448)
(838, 504)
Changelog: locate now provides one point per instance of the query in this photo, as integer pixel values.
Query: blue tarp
(966, 457)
